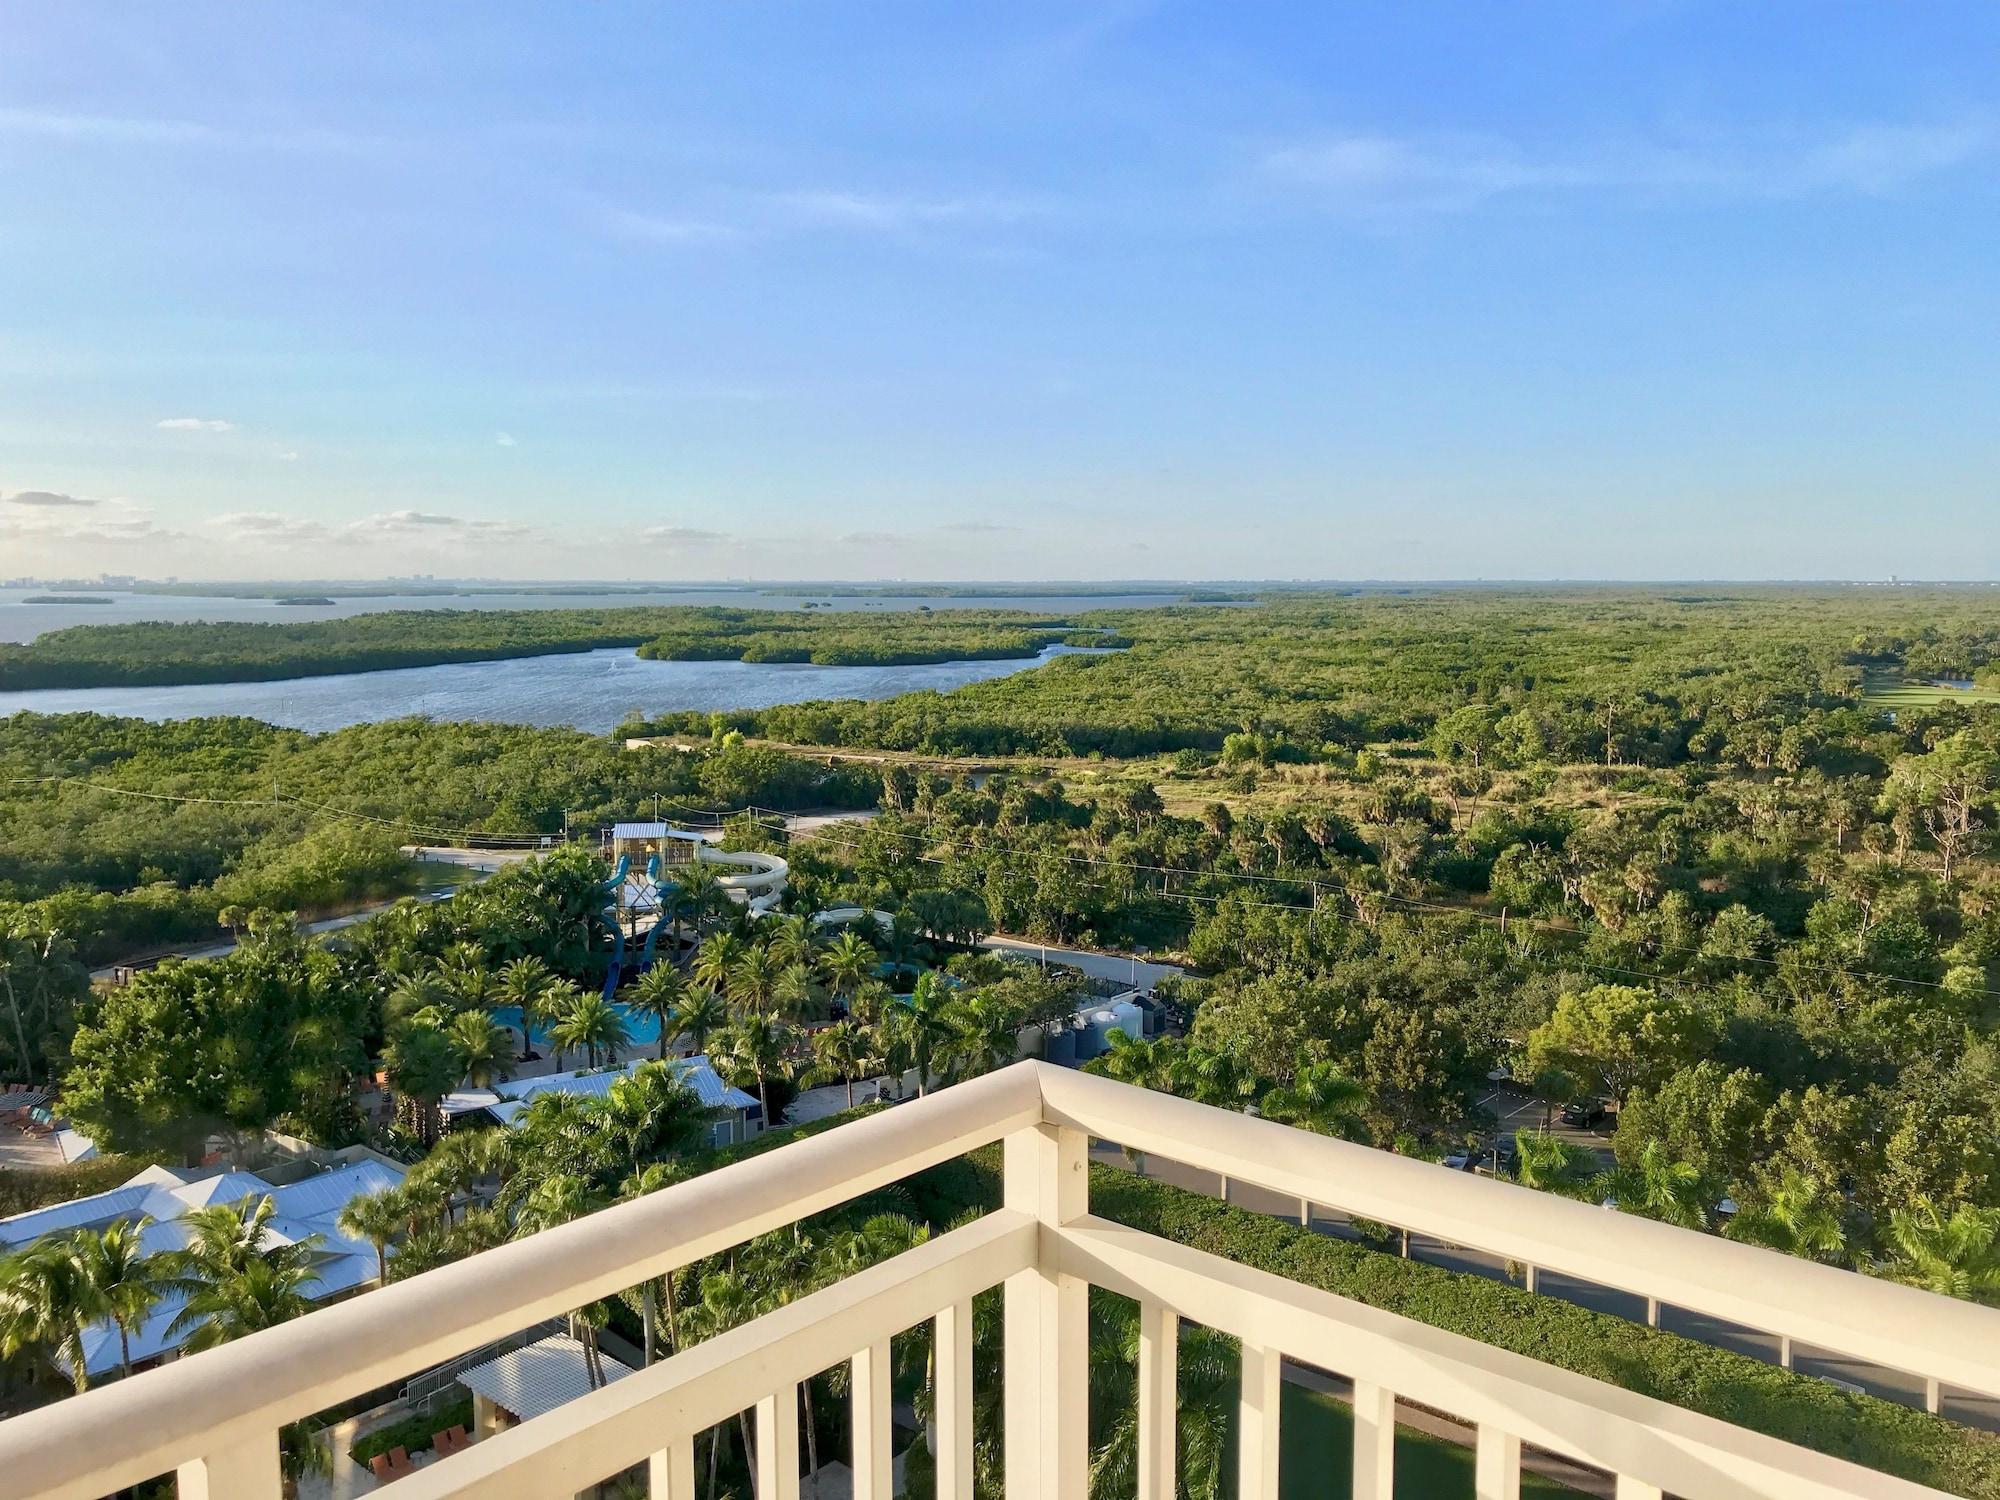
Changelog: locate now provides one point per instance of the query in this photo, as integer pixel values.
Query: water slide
(660, 889)
(760, 888)
(614, 889)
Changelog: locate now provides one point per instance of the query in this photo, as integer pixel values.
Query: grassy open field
(1316, 1457)
(1887, 690)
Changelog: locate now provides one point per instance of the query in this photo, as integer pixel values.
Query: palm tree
(794, 941)
(482, 1047)
(652, 1115)
(920, 1026)
(726, 1302)
(225, 1237)
(659, 994)
(717, 960)
(1216, 1078)
(558, 1000)
(593, 1023)
(236, 1284)
(699, 1016)
(753, 981)
(269, 1291)
(848, 963)
(1552, 1164)
(796, 996)
(1323, 1100)
(416, 999)
(1800, 1216)
(842, 1051)
(523, 984)
(123, 1279)
(422, 1066)
(756, 1046)
(1956, 1256)
(1658, 1187)
(46, 1303)
(1206, 1395)
(985, 1034)
(650, 1179)
(376, 1218)
(1155, 1064)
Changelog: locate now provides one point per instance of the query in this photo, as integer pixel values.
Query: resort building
(738, 1114)
(305, 1210)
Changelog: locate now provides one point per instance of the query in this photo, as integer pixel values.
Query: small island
(68, 599)
(319, 599)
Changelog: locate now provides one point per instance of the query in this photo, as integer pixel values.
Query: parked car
(1584, 1113)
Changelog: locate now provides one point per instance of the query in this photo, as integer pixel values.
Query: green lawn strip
(1316, 1457)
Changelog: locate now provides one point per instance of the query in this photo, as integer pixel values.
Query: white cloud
(194, 424)
(418, 523)
(47, 516)
(271, 528)
(1378, 173)
(48, 500)
(685, 536)
(832, 208)
(661, 229)
(504, 440)
(288, 455)
(976, 528)
(122, 130)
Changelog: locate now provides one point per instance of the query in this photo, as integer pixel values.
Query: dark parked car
(1588, 1112)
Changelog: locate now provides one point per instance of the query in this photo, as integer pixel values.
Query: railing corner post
(247, 1470)
(1047, 1334)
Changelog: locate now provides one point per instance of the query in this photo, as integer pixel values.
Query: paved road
(1892, 1385)
(486, 861)
(1117, 967)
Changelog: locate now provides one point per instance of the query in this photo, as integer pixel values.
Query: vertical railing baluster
(670, 1472)
(1258, 1426)
(248, 1470)
(1374, 1442)
(1159, 1399)
(778, 1445)
(1498, 1475)
(1048, 1325)
(952, 1354)
(870, 1398)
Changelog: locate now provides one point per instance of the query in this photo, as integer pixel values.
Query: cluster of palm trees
(1954, 1251)
(231, 1277)
(442, 1031)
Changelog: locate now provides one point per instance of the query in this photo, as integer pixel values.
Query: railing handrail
(1586, 1420)
(241, 1393)
(1902, 1327)
(124, 1433)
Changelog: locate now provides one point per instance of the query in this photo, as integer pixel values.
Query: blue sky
(1020, 290)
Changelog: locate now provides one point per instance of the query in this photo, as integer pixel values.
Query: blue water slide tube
(614, 890)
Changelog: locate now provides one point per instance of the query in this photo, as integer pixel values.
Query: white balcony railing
(214, 1418)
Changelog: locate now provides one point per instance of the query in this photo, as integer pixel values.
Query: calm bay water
(591, 690)
(21, 621)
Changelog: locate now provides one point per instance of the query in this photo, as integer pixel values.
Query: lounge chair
(380, 1464)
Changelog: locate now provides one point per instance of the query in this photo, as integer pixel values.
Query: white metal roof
(301, 1210)
(696, 1072)
(534, 1380)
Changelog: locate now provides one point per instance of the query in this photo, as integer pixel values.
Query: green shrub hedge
(38, 1187)
(414, 1434)
(1716, 1382)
